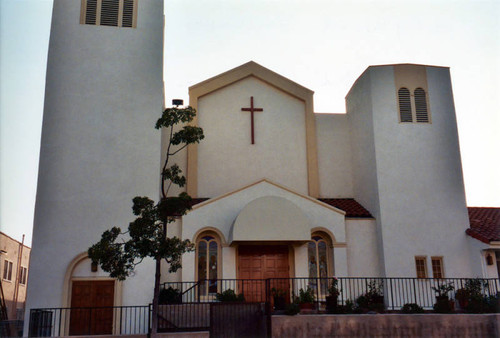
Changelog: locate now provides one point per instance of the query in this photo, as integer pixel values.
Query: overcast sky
(322, 45)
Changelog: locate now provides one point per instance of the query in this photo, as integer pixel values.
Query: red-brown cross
(251, 110)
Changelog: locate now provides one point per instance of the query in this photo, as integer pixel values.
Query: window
(421, 267)
(117, 13)
(208, 263)
(421, 106)
(7, 270)
(437, 267)
(415, 110)
(23, 276)
(318, 263)
(405, 114)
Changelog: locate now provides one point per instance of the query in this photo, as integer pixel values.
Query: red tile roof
(484, 224)
(352, 208)
(198, 200)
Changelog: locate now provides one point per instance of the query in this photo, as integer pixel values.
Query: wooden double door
(92, 307)
(257, 263)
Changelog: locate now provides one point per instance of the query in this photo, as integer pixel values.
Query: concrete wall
(99, 147)
(334, 155)
(426, 325)
(226, 158)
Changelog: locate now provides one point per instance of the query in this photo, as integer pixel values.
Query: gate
(238, 320)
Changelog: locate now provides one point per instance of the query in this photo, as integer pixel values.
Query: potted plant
(462, 296)
(333, 295)
(306, 299)
(170, 296)
(443, 303)
(476, 302)
(279, 298)
(229, 296)
(412, 308)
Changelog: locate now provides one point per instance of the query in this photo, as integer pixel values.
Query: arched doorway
(91, 295)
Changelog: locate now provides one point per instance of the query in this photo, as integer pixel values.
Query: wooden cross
(251, 110)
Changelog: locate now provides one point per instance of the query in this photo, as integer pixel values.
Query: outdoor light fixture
(93, 267)
(177, 102)
(489, 259)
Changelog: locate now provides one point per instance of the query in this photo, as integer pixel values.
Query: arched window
(421, 105)
(319, 262)
(207, 253)
(405, 114)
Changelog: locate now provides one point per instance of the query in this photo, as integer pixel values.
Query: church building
(279, 190)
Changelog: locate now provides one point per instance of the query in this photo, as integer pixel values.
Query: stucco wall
(221, 213)
(227, 159)
(99, 147)
(409, 174)
(334, 155)
(364, 166)
(362, 250)
(422, 198)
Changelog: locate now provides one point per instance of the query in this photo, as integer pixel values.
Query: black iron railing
(55, 322)
(192, 307)
(396, 291)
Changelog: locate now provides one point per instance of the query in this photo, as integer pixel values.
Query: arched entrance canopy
(270, 218)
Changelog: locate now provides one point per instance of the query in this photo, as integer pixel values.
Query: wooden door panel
(85, 297)
(261, 262)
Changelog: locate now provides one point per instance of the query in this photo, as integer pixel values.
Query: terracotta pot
(306, 306)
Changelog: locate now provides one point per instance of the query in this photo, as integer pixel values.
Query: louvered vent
(109, 12)
(404, 105)
(128, 13)
(421, 106)
(91, 12)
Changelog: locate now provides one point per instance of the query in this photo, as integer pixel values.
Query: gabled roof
(246, 70)
(484, 224)
(352, 208)
(349, 205)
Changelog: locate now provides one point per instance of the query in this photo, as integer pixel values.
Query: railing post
(317, 292)
(268, 296)
(392, 293)
(60, 321)
(90, 321)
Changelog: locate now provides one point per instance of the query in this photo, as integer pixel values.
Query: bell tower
(99, 148)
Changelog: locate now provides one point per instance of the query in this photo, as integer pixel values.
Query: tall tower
(407, 168)
(99, 148)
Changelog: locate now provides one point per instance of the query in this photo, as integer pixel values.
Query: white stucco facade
(99, 147)
(377, 192)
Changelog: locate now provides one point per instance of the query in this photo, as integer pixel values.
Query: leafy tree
(118, 252)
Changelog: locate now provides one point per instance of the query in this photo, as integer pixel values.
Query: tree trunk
(156, 297)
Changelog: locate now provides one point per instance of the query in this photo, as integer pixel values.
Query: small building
(14, 265)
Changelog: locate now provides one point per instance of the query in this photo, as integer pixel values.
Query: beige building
(15, 258)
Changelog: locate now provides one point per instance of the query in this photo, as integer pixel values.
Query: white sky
(322, 45)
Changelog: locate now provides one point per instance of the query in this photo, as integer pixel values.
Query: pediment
(246, 70)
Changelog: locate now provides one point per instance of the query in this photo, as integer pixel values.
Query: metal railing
(192, 305)
(55, 322)
(396, 291)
